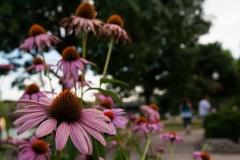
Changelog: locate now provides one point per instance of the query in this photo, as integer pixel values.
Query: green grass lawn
(178, 125)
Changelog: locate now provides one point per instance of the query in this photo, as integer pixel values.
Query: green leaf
(6, 120)
(135, 144)
(106, 80)
(71, 150)
(9, 146)
(109, 93)
(98, 149)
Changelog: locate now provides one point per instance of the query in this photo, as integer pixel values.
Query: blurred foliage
(164, 56)
(223, 124)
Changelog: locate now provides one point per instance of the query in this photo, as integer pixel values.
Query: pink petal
(113, 128)
(98, 125)
(119, 123)
(30, 124)
(62, 135)
(78, 138)
(46, 127)
(27, 117)
(74, 71)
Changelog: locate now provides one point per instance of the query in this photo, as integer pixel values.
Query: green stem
(206, 146)
(82, 81)
(47, 71)
(108, 56)
(58, 155)
(123, 150)
(172, 151)
(84, 45)
(147, 146)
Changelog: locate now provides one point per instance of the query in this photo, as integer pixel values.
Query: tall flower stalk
(147, 146)
(108, 56)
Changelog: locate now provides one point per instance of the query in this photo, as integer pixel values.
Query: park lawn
(178, 125)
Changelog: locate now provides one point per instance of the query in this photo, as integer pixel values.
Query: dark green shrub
(223, 124)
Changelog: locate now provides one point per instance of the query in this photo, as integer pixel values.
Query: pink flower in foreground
(38, 65)
(64, 112)
(160, 149)
(34, 150)
(84, 19)
(70, 63)
(104, 104)
(38, 38)
(114, 27)
(32, 92)
(102, 97)
(171, 137)
(7, 66)
(151, 111)
(114, 116)
(197, 155)
(70, 83)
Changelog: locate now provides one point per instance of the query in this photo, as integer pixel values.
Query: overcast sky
(225, 29)
(226, 24)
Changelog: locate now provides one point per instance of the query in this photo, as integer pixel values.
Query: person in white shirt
(204, 107)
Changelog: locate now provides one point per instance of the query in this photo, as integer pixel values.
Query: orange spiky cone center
(85, 10)
(70, 54)
(40, 147)
(141, 120)
(106, 103)
(37, 60)
(109, 115)
(32, 88)
(154, 106)
(115, 19)
(36, 30)
(205, 156)
(172, 133)
(66, 107)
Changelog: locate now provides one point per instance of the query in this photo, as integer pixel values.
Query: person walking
(186, 114)
(204, 107)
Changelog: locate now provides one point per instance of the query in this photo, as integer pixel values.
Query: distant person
(204, 107)
(186, 114)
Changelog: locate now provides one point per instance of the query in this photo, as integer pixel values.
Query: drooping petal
(98, 125)
(78, 139)
(30, 124)
(46, 127)
(113, 128)
(62, 135)
(94, 133)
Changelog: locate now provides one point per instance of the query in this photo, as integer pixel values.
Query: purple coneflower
(32, 92)
(102, 97)
(38, 38)
(151, 111)
(70, 63)
(7, 66)
(114, 116)
(104, 104)
(84, 18)
(138, 125)
(197, 155)
(114, 27)
(171, 137)
(160, 149)
(65, 111)
(36, 149)
(38, 65)
(70, 83)
(152, 127)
